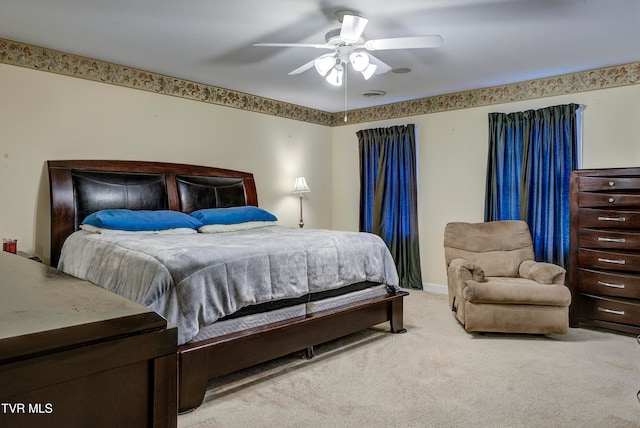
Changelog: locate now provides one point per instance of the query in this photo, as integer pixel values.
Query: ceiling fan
(347, 44)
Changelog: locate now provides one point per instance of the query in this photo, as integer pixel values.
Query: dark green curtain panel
(531, 156)
(388, 195)
(504, 165)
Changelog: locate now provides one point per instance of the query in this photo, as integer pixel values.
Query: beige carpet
(436, 375)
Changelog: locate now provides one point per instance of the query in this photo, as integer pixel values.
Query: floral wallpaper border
(601, 78)
(38, 58)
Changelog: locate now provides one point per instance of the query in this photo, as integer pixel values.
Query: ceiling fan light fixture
(335, 77)
(359, 61)
(347, 42)
(324, 64)
(368, 72)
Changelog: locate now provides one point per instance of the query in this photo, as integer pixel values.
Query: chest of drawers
(604, 262)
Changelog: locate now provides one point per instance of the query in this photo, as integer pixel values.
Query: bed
(279, 313)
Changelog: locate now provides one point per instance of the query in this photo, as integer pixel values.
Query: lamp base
(301, 224)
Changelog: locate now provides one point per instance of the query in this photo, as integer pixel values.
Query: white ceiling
(486, 42)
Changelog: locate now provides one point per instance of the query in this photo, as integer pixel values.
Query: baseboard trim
(435, 288)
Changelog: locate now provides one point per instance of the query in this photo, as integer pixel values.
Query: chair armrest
(543, 273)
(460, 267)
(459, 272)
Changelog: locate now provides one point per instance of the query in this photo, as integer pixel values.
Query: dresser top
(43, 309)
(613, 172)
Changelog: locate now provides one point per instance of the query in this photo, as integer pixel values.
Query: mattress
(236, 324)
(195, 280)
(261, 315)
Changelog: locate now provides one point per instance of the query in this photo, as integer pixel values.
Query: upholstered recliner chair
(495, 285)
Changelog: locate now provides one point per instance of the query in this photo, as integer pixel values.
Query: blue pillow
(233, 215)
(142, 220)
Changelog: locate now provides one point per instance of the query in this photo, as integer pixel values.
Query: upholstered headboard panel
(99, 190)
(80, 187)
(196, 192)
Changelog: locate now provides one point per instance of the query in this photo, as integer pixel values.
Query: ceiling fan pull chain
(346, 73)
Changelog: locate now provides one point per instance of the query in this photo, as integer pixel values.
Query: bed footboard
(206, 360)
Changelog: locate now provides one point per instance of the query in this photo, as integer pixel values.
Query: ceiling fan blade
(404, 43)
(352, 27)
(383, 67)
(295, 45)
(303, 68)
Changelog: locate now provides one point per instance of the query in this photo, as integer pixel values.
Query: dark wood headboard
(160, 185)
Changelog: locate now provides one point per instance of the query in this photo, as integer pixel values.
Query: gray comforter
(194, 279)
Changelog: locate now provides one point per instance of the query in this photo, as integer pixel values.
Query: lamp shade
(359, 61)
(368, 72)
(324, 64)
(301, 186)
(335, 77)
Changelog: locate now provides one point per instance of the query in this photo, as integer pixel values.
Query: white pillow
(218, 228)
(178, 231)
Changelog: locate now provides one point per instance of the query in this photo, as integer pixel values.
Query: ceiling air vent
(401, 70)
(373, 93)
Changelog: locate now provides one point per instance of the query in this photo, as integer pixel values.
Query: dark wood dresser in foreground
(604, 263)
(75, 355)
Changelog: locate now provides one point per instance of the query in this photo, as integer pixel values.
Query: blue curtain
(531, 156)
(388, 195)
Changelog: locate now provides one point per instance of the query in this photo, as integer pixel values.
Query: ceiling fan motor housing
(333, 39)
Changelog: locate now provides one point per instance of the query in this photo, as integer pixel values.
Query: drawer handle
(610, 311)
(617, 262)
(608, 284)
(620, 240)
(612, 219)
(612, 183)
(612, 200)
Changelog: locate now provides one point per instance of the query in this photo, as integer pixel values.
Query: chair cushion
(499, 247)
(505, 235)
(516, 291)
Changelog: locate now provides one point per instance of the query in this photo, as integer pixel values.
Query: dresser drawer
(610, 309)
(615, 200)
(609, 283)
(609, 260)
(604, 238)
(609, 183)
(612, 219)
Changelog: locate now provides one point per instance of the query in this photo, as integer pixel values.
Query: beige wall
(47, 116)
(452, 156)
